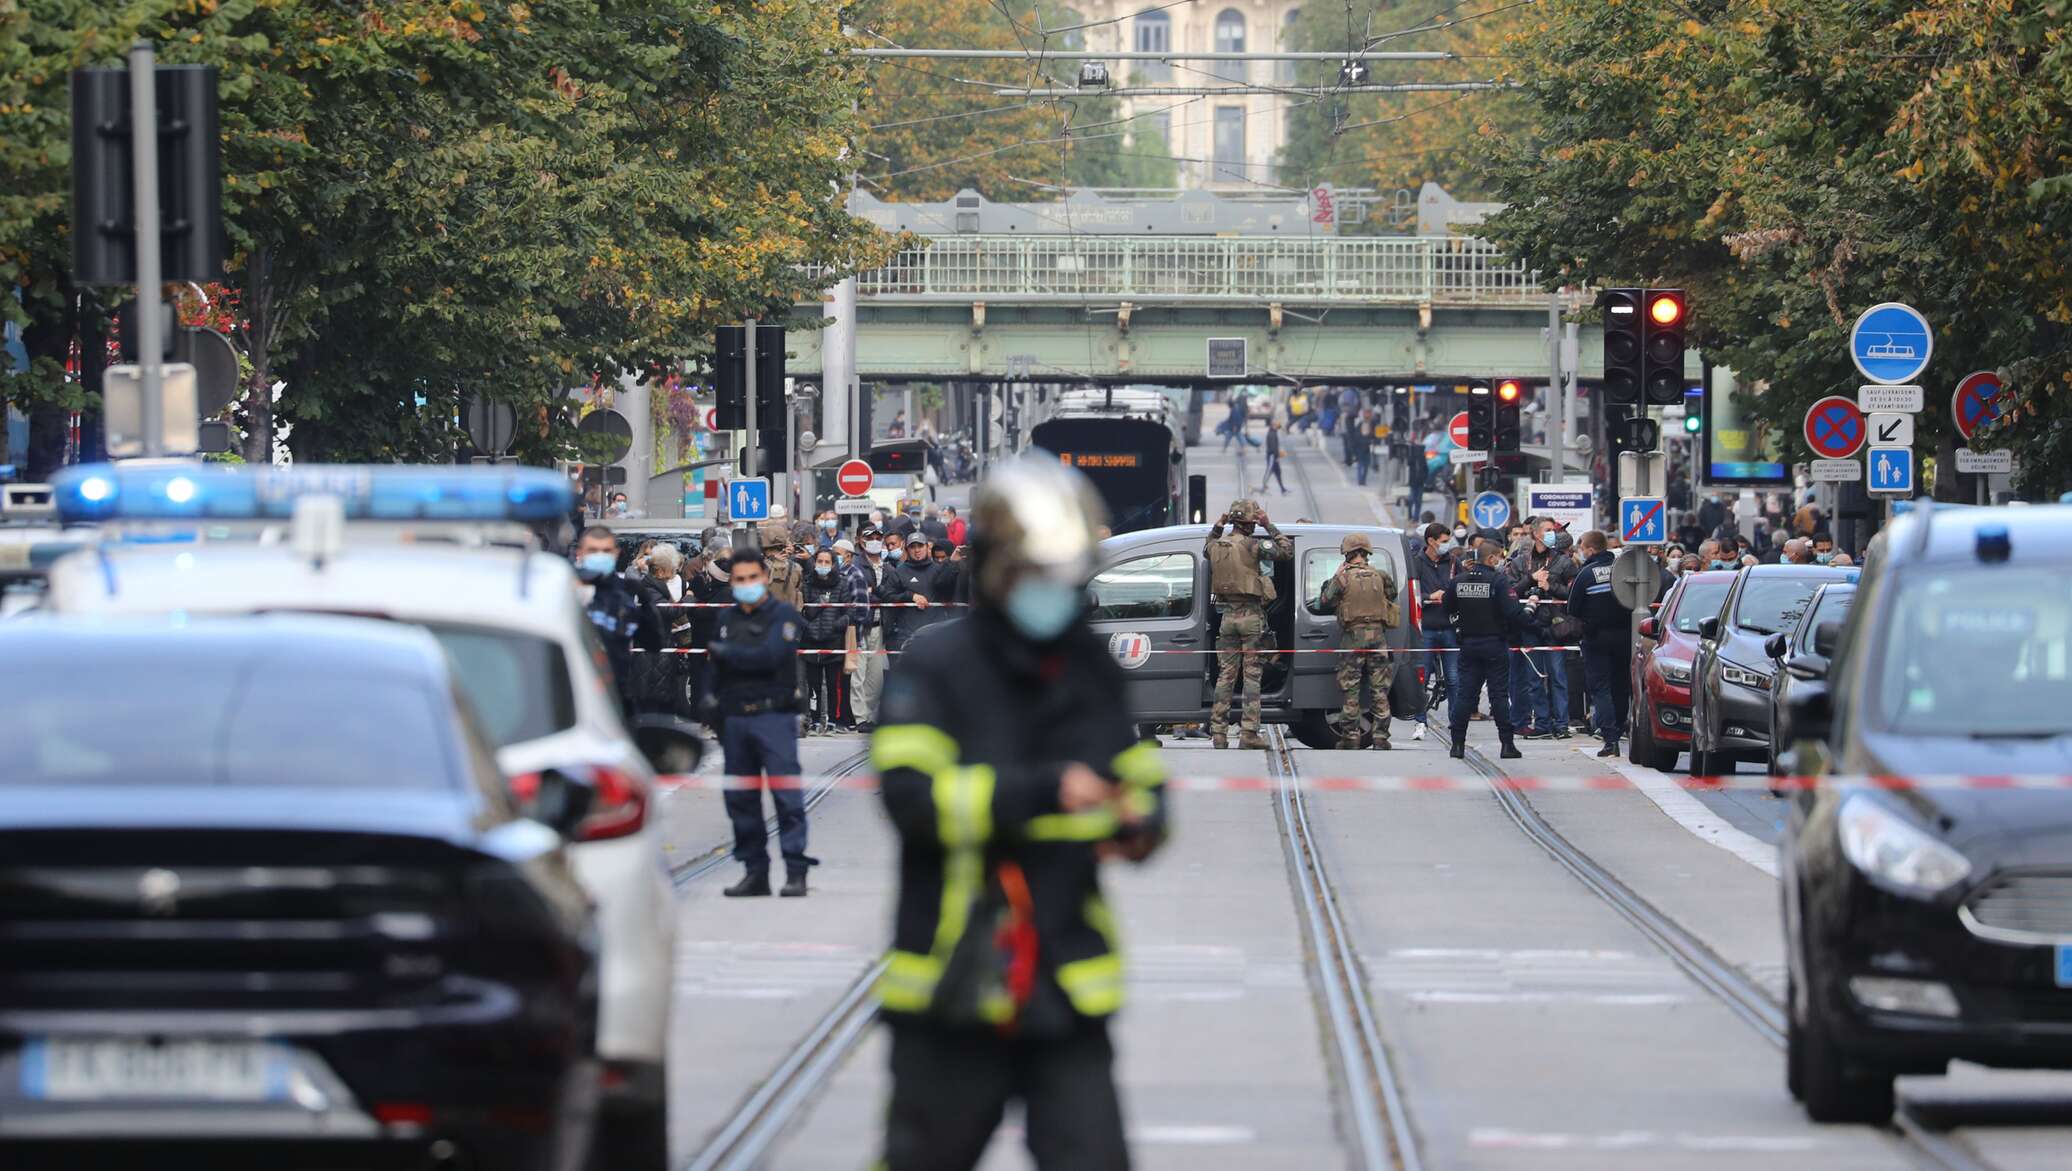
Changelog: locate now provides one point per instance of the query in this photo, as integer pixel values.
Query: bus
(1130, 443)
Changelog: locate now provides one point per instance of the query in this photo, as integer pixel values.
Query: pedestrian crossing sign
(749, 499)
(1643, 520)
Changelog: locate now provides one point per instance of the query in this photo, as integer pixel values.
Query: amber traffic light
(1662, 349)
(1506, 430)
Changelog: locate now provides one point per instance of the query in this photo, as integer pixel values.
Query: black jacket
(755, 659)
(975, 729)
(824, 624)
(624, 619)
(1483, 605)
(1427, 578)
(1592, 601)
(899, 582)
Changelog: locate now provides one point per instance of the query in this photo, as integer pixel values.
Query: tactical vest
(1370, 596)
(1234, 570)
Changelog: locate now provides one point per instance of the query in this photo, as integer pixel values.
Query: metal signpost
(1635, 580)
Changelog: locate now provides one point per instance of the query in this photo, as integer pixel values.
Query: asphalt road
(1530, 1023)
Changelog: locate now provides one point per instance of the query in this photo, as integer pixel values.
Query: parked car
(261, 880)
(1799, 667)
(1150, 597)
(1663, 651)
(1730, 678)
(1935, 923)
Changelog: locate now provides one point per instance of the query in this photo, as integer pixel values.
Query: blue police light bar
(88, 493)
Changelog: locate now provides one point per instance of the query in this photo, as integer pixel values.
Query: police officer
(1241, 592)
(755, 687)
(623, 620)
(1364, 598)
(1607, 639)
(1010, 767)
(1485, 611)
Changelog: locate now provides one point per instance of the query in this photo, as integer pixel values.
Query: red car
(1662, 655)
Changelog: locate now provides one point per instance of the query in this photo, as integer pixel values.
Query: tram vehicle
(1130, 443)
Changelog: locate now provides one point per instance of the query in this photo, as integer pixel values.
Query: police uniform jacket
(975, 729)
(755, 659)
(1483, 604)
(623, 620)
(1593, 603)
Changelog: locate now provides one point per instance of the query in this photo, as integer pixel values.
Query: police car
(508, 617)
(1150, 599)
(1934, 922)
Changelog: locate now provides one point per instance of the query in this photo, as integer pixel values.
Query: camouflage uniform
(784, 571)
(1361, 633)
(1242, 600)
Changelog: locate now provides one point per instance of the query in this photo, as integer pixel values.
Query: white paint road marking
(1692, 814)
(1499, 1138)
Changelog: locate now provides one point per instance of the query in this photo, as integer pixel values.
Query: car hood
(441, 815)
(1999, 827)
(1746, 648)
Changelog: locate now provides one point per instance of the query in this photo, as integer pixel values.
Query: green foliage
(1793, 163)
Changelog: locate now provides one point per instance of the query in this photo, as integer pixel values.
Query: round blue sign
(1891, 343)
(1491, 510)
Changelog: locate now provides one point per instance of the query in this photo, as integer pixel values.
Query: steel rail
(706, 861)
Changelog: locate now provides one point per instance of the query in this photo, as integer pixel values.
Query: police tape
(1386, 652)
(1589, 783)
(821, 605)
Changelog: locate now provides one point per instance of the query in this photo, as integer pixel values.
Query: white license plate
(100, 1068)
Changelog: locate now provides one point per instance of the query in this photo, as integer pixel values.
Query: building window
(1155, 128)
(1289, 44)
(1228, 150)
(1230, 38)
(1154, 35)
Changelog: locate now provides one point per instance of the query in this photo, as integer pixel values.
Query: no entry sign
(1458, 429)
(1835, 427)
(854, 478)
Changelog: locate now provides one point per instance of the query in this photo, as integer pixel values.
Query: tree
(1793, 164)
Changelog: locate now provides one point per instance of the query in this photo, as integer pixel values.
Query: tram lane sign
(1976, 402)
(1892, 470)
(1835, 427)
(1891, 343)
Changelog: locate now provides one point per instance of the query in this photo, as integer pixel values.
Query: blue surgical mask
(896, 553)
(1719, 564)
(828, 523)
(823, 570)
(748, 593)
(874, 548)
(1041, 609)
(595, 565)
(1823, 558)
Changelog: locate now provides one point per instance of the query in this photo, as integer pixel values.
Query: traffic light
(1662, 349)
(1481, 419)
(190, 176)
(730, 378)
(1507, 433)
(1693, 422)
(771, 403)
(1623, 375)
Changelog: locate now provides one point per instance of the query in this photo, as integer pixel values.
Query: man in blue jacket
(755, 688)
(1607, 639)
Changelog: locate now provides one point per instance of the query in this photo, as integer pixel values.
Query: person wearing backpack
(1364, 598)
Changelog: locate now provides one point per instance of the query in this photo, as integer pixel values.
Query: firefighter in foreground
(1364, 599)
(1485, 611)
(1010, 767)
(1241, 591)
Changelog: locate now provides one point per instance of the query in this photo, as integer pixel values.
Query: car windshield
(1700, 600)
(1833, 607)
(1977, 651)
(518, 683)
(239, 721)
(1771, 604)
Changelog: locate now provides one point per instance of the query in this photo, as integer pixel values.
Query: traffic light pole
(143, 95)
(1557, 422)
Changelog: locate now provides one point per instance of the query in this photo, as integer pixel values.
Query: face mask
(896, 553)
(823, 570)
(749, 593)
(1719, 564)
(1042, 610)
(1823, 558)
(828, 524)
(1446, 546)
(874, 548)
(1460, 534)
(595, 565)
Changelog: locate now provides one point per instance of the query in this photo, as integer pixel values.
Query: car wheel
(632, 1138)
(1817, 1070)
(1314, 731)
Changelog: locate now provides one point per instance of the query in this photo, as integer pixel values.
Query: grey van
(1150, 597)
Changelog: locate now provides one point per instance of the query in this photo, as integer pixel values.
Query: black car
(1933, 921)
(1730, 677)
(1798, 666)
(262, 884)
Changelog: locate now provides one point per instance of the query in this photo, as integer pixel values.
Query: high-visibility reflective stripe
(1103, 920)
(964, 806)
(1139, 766)
(1139, 803)
(909, 981)
(1091, 826)
(996, 1007)
(915, 746)
(1093, 985)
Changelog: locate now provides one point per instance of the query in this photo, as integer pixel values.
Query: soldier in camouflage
(1364, 598)
(1241, 592)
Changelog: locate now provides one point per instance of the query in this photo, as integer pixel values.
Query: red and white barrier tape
(1386, 651)
(1598, 783)
(822, 606)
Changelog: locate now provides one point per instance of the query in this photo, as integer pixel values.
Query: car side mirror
(1807, 666)
(670, 744)
(1708, 629)
(1650, 628)
(1825, 636)
(1775, 646)
(558, 801)
(1812, 715)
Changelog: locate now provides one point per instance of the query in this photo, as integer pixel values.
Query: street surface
(1529, 1022)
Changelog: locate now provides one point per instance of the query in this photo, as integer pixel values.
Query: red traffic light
(1509, 391)
(1665, 309)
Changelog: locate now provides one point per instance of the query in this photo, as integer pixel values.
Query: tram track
(1371, 1099)
(1922, 1146)
(707, 860)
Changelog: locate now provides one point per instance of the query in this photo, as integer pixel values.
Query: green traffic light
(1692, 423)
